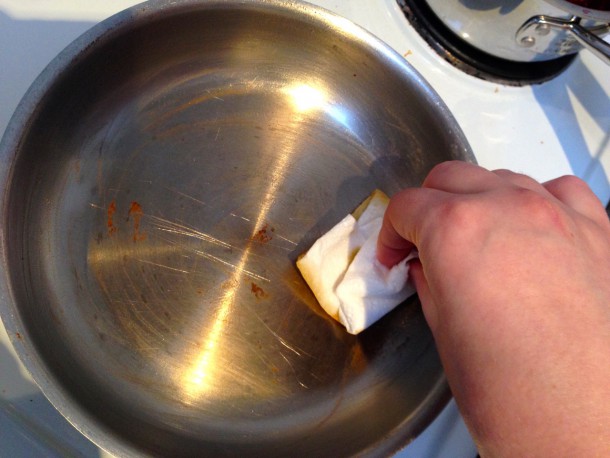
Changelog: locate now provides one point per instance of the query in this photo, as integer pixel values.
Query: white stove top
(559, 127)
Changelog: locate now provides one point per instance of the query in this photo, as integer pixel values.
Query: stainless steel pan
(160, 179)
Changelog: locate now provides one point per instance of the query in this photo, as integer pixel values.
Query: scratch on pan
(180, 193)
(293, 371)
(214, 96)
(286, 240)
(201, 202)
(396, 126)
(210, 257)
(181, 229)
(282, 341)
(248, 273)
(156, 264)
(238, 216)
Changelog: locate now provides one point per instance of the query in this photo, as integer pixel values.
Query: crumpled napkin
(342, 270)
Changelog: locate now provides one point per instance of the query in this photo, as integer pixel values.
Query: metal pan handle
(590, 41)
(536, 33)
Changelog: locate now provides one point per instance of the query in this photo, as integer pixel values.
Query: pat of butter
(342, 270)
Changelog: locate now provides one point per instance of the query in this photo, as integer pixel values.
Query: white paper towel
(342, 271)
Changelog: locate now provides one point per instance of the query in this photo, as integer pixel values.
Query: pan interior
(159, 198)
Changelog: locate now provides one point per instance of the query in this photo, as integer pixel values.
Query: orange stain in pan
(264, 235)
(111, 211)
(135, 212)
(258, 292)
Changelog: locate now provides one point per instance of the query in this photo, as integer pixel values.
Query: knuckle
(572, 183)
(460, 216)
(438, 173)
(518, 179)
(540, 210)
(531, 201)
(504, 173)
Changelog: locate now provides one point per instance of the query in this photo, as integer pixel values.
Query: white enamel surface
(560, 127)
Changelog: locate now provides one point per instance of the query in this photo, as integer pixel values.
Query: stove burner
(472, 60)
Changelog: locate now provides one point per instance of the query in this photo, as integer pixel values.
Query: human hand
(514, 281)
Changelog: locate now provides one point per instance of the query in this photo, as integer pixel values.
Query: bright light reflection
(199, 379)
(339, 114)
(306, 98)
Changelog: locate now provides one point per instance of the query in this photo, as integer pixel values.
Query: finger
(521, 180)
(392, 247)
(576, 194)
(416, 274)
(461, 178)
(405, 214)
